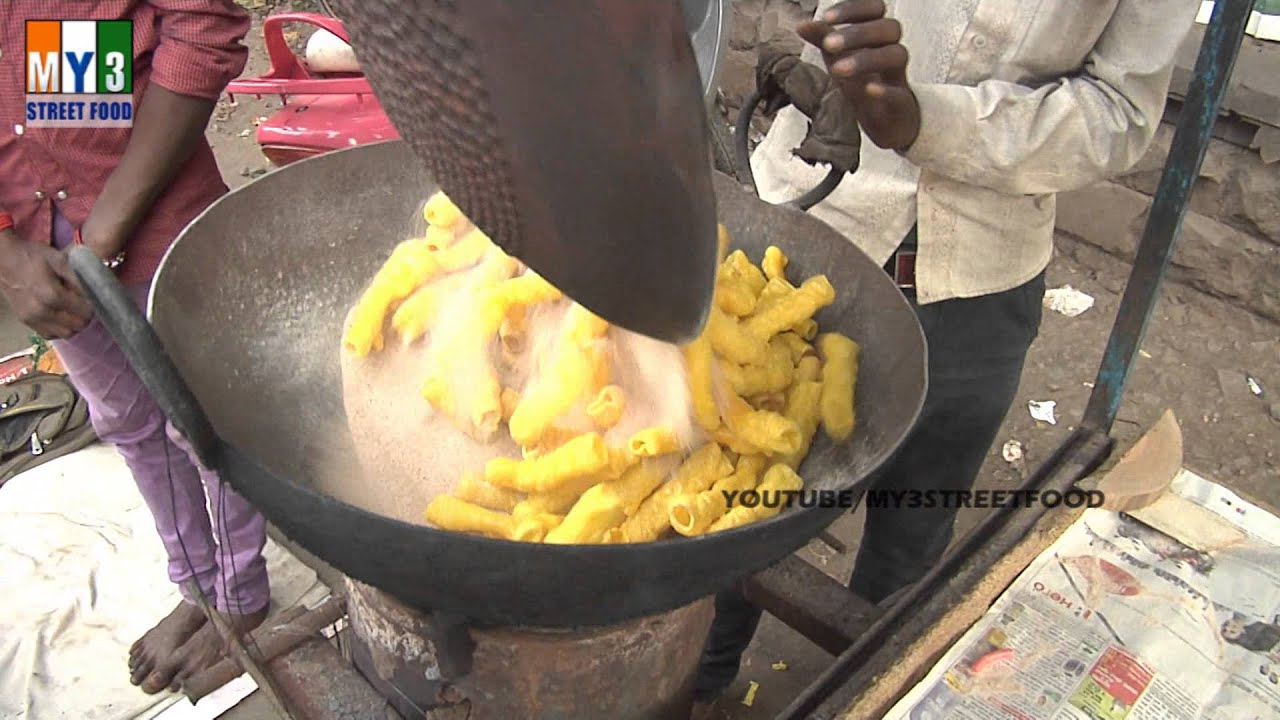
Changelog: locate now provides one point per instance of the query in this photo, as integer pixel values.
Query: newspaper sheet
(1117, 621)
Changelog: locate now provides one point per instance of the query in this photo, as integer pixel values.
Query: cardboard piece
(1144, 473)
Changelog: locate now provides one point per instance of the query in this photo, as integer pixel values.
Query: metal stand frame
(869, 639)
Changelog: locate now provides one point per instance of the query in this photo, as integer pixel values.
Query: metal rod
(274, 638)
(240, 653)
(1217, 57)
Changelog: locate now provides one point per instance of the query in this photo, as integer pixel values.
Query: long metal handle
(146, 355)
(742, 158)
(1217, 57)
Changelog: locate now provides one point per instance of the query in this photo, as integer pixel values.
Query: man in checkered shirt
(126, 193)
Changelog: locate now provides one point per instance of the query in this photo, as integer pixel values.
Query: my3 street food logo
(79, 73)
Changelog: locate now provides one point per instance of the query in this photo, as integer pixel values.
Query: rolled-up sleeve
(1065, 135)
(200, 48)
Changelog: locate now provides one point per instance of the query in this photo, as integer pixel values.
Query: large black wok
(249, 304)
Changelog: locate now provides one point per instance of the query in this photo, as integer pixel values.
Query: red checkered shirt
(190, 47)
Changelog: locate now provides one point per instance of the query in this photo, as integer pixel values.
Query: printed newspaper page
(1117, 621)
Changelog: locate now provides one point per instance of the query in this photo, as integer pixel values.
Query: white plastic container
(327, 53)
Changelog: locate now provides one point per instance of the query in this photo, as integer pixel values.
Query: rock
(1258, 186)
(738, 77)
(1226, 262)
(1274, 411)
(1106, 215)
(742, 30)
(1210, 256)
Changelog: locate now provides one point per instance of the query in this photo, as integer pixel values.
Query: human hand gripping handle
(40, 286)
(863, 52)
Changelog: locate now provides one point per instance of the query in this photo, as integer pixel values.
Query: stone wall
(1230, 244)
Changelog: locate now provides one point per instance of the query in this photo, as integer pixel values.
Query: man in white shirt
(997, 106)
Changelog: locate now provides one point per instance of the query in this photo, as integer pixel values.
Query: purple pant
(228, 563)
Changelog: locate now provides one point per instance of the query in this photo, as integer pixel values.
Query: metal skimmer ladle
(572, 132)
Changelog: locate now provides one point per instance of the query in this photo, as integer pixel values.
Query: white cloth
(1019, 100)
(82, 576)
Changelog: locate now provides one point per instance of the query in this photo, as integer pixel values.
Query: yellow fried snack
(777, 482)
(699, 472)
(807, 329)
(774, 290)
(730, 339)
(486, 406)
(566, 381)
(767, 432)
(732, 443)
(582, 457)
(512, 330)
(808, 369)
(579, 369)
(416, 314)
(772, 376)
(439, 238)
(739, 266)
(839, 373)
(605, 410)
(797, 345)
(654, 441)
(804, 403)
(440, 211)
(466, 252)
(734, 297)
(436, 390)
(692, 514)
(411, 264)
(700, 360)
(555, 502)
(473, 489)
(449, 513)
(535, 527)
(607, 505)
(797, 306)
(528, 289)
(774, 263)
(773, 402)
(722, 242)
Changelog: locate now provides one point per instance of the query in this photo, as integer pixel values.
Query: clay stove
(433, 667)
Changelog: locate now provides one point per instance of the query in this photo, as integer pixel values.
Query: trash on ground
(1067, 301)
(1144, 354)
(1235, 386)
(750, 697)
(1254, 387)
(779, 666)
(1012, 451)
(1043, 410)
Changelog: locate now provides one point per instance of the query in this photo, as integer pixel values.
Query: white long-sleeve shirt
(1019, 100)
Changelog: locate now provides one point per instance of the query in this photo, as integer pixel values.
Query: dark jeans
(977, 347)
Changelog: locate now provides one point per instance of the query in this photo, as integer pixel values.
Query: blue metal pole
(1217, 57)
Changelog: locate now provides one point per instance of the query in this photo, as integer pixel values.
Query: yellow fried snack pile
(516, 356)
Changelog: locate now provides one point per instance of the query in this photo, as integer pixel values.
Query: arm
(1067, 134)
(199, 53)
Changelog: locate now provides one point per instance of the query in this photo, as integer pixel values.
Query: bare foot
(160, 641)
(202, 650)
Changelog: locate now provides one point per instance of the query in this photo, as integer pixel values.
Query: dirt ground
(1196, 360)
